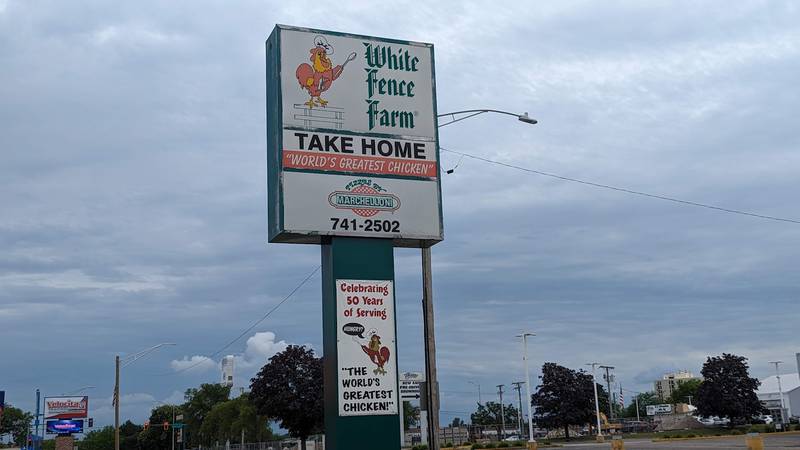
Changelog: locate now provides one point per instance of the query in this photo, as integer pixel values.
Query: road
(773, 442)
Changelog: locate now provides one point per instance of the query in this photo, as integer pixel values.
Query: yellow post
(617, 444)
(532, 446)
(754, 441)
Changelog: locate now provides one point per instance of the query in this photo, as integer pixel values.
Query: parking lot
(776, 442)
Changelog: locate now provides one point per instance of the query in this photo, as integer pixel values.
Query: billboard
(64, 426)
(352, 138)
(66, 407)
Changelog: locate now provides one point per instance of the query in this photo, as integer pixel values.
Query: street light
(780, 390)
(125, 362)
(596, 402)
(524, 337)
(432, 385)
(467, 113)
(479, 390)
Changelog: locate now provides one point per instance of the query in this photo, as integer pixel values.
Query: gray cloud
(132, 168)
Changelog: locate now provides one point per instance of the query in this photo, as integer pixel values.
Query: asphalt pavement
(772, 442)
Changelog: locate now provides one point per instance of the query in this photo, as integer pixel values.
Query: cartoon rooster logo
(377, 353)
(318, 76)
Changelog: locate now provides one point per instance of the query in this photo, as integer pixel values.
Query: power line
(621, 189)
(255, 324)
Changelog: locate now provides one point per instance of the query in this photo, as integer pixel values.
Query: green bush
(737, 432)
(691, 435)
(489, 445)
(476, 446)
(447, 445)
(503, 445)
(420, 447)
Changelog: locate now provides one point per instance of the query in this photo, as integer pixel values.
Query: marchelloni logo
(365, 198)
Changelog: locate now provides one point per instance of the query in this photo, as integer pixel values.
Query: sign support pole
(432, 384)
(354, 259)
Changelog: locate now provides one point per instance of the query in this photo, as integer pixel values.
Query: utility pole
(780, 390)
(596, 402)
(502, 412)
(116, 403)
(432, 385)
(518, 387)
(608, 384)
(638, 418)
(37, 442)
(173, 427)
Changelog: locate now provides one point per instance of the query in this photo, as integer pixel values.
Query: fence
(273, 445)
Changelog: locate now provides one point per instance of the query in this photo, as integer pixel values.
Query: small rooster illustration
(377, 353)
(318, 76)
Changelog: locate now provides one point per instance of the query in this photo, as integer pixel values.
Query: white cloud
(196, 363)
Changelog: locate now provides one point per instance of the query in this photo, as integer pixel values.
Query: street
(777, 442)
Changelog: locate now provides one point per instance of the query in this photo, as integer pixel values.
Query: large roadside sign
(66, 407)
(352, 138)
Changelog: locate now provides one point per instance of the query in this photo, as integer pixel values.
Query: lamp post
(524, 337)
(596, 402)
(780, 390)
(432, 385)
(475, 383)
(118, 364)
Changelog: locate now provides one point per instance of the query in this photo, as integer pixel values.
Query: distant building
(790, 386)
(670, 381)
(227, 371)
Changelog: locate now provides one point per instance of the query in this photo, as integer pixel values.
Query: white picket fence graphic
(319, 116)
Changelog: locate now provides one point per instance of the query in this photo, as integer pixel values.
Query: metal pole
(38, 400)
(502, 413)
(432, 385)
(116, 403)
(528, 384)
(518, 387)
(780, 390)
(596, 402)
(638, 418)
(173, 427)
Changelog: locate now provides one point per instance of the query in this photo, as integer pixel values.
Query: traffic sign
(410, 385)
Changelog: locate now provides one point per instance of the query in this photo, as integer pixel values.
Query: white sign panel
(653, 410)
(345, 109)
(66, 407)
(410, 385)
(358, 206)
(366, 349)
(360, 84)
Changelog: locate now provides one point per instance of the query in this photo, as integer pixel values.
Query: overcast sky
(132, 191)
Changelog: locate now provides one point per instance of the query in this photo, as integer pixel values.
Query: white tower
(227, 371)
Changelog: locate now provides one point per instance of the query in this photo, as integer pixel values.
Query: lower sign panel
(366, 347)
(343, 205)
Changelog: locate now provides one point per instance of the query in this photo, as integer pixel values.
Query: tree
(645, 399)
(410, 415)
(227, 420)
(488, 414)
(684, 390)
(727, 389)
(566, 397)
(457, 422)
(16, 423)
(198, 404)
(289, 389)
(101, 439)
(156, 437)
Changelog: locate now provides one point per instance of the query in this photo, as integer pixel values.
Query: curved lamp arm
(474, 112)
